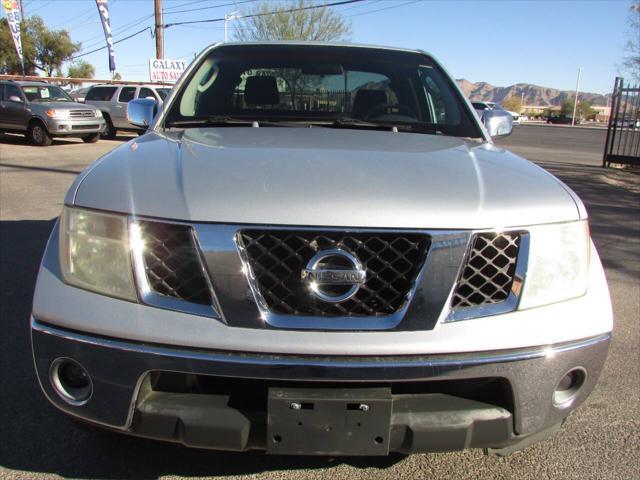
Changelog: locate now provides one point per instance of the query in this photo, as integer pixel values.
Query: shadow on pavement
(39, 438)
(17, 139)
(40, 169)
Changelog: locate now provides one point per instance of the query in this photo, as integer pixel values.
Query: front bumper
(75, 127)
(496, 399)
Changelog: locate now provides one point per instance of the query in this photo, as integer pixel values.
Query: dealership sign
(166, 70)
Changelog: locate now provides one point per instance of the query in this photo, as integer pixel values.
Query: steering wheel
(382, 106)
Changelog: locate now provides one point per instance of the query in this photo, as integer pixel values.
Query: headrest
(261, 91)
(367, 99)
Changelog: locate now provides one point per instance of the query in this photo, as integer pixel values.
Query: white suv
(112, 100)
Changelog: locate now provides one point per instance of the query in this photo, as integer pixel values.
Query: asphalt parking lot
(600, 440)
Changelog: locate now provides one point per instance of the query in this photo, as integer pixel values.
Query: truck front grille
(82, 113)
(172, 263)
(276, 259)
(490, 269)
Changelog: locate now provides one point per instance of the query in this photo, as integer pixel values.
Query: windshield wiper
(212, 121)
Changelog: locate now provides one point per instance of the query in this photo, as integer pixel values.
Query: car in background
(482, 106)
(78, 94)
(112, 100)
(627, 122)
(42, 111)
(562, 120)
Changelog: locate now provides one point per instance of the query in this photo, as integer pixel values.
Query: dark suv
(42, 111)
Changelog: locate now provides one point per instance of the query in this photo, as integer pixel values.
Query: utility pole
(575, 104)
(159, 30)
(21, 11)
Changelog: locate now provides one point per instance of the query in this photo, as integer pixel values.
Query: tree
(513, 104)
(584, 109)
(42, 49)
(631, 60)
(317, 24)
(53, 47)
(81, 69)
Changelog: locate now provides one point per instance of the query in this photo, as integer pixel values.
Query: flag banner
(13, 17)
(103, 8)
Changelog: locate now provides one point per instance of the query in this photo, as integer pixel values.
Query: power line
(384, 8)
(117, 41)
(116, 31)
(210, 7)
(264, 14)
(222, 19)
(185, 4)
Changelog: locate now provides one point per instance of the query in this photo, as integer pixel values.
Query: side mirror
(140, 112)
(15, 99)
(497, 123)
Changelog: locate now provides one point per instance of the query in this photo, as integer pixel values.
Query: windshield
(163, 92)
(48, 93)
(316, 85)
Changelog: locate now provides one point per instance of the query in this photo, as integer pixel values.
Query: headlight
(98, 113)
(95, 254)
(558, 263)
(58, 114)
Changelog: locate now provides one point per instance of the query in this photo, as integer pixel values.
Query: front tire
(93, 138)
(38, 134)
(109, 132)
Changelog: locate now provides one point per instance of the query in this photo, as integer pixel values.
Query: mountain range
(533, 94)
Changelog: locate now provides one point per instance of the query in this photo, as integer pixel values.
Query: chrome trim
(355, 362)
(147, 296)
(214, 240)
(301, 322)
(60, 389)
(511, 302)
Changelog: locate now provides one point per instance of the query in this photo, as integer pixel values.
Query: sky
(499, 42)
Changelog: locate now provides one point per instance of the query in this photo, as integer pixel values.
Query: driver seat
(366, 99)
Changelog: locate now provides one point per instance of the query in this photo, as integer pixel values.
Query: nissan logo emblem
(334, 275)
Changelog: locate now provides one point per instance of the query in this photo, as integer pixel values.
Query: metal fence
(623, 134)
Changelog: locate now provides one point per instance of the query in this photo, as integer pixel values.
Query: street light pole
(575, 103)
(227, 17)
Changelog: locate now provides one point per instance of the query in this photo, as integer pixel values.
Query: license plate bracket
(329, 421)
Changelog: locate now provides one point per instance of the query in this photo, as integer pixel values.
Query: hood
(323, 177)
(62, 105)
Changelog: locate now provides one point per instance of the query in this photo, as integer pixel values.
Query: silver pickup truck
(318, 249)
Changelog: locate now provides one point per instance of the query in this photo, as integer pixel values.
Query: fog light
(71, 381)
(569, 386)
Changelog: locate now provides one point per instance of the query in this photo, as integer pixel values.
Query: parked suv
(42, 111)
(112, 101)
(318, 249)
